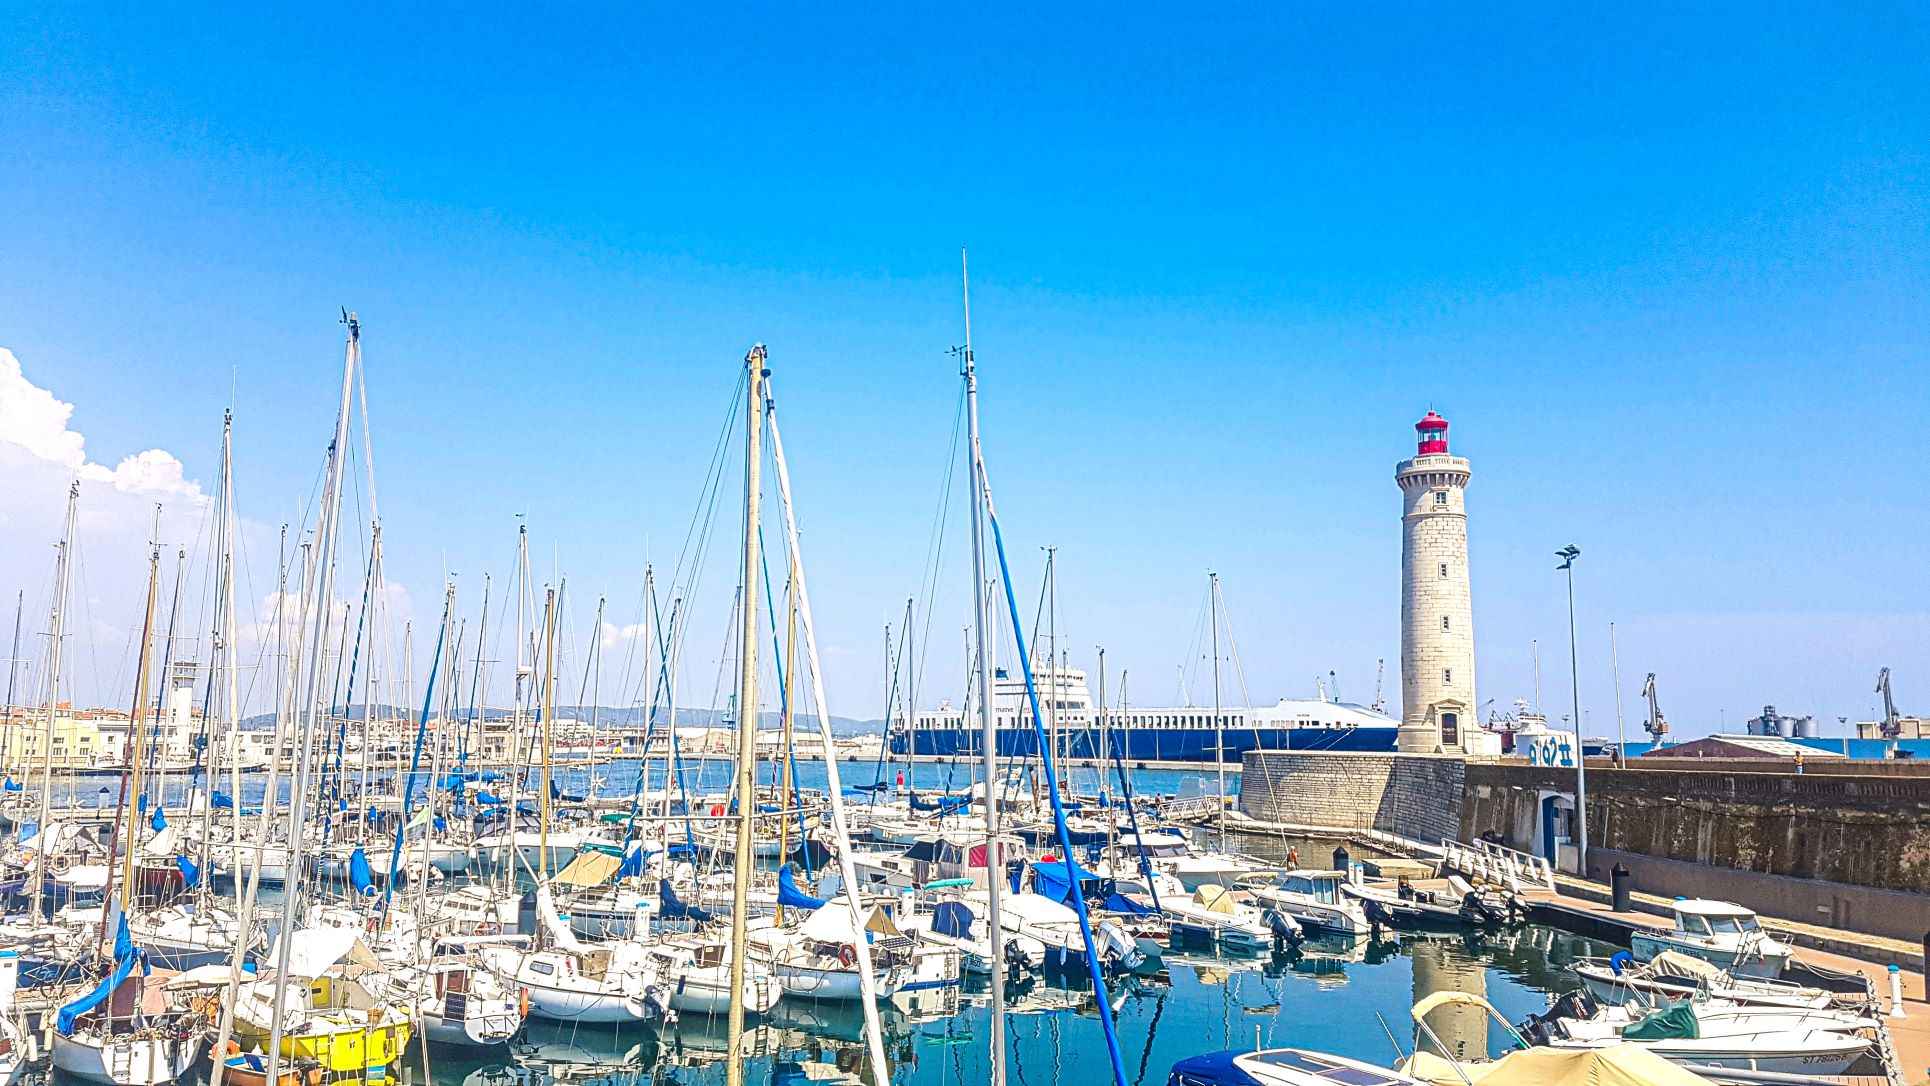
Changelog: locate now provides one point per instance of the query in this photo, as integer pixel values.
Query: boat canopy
(1675, 1022)
(1697, 906)
(1684, 965)
(953, 918)
(591, 867)
(1615, 1065)
(1218, 899)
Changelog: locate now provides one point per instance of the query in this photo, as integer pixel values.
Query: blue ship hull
(1151, 744)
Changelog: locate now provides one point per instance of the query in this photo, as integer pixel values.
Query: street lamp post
(1568, 555)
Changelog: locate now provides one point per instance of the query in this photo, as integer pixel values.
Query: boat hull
(124, 1062)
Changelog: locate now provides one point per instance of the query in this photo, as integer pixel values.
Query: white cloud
(36, 420)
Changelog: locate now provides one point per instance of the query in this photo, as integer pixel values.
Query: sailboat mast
(62, 568)
(131, 780)
(551, 604)
(911, 704)
(229, 643)
(1219, 729)
(313, 702)
(755, 373)
(994, 854)
(13, 671)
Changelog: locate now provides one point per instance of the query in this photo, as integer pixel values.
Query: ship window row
(1134, 720)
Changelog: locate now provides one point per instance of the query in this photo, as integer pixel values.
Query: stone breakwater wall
(1414, 795)
(1871, 831)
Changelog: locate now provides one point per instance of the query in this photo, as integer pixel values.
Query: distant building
(1744, 747)
(1908, 727)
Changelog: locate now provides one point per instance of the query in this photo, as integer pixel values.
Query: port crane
(1892, 729)
(1657, 725)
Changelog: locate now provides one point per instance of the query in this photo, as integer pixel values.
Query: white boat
(1214, 914)
(1721, 933)
(623, 910)
(1776, 1039)
(457, 1002)
(572, 981)
(1283, 1067)
(529, 845)
(696, 967)
(818, 958)
(951, 922)
(16, 1052)
(1314, 899)
(184, 936)
(1673, 975)
(103, 1037)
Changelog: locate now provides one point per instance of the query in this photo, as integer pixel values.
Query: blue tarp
(28, 829)
(1120, 903)
(223, 801)
(674, 909)
(140, 802)
(359, 874)
(952, 918)
(12, 785)
(487, 798)
(632, 864)
(190, 872)
(125, 959)
(1049, 879)
(788, 894)
(160, 819)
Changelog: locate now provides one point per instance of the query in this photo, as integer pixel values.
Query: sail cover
(125, 957)
(788, 894)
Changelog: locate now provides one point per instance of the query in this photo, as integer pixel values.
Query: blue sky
(1666, 272)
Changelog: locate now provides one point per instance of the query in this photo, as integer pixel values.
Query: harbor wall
(1870, 831)
(1414, 795)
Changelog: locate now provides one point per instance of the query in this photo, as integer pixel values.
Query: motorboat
(1765, 1039)
(329, 1014)
(1721, 933)
(1215, 914)
(1314, 899)
(1673, 975)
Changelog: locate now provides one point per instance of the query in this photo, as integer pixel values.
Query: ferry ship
(1180, 734)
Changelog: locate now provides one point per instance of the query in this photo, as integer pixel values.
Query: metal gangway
(1520, 872)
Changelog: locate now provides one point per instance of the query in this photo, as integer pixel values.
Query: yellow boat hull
(345, 1047)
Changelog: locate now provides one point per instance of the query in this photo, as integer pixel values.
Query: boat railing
(1518, 871)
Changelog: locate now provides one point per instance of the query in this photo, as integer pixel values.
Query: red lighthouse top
(1431, 434)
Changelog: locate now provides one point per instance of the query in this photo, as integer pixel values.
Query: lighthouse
(1437, 612)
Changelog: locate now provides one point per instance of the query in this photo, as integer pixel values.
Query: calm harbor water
(1329, 995)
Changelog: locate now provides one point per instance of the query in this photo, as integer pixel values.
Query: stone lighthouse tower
(1437, 613)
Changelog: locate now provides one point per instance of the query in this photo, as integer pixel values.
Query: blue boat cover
(1620, 960)
(1049, 879)
(160, 819)
(125, 959)
(222, 801)
(28, 829)
(788, 894)
(674, 909)
(1119, 903)
(1211, 1069)
(359, 874)
(12, 785)
(140, 803)
(487, 798)
(952, 918)
(190, 872)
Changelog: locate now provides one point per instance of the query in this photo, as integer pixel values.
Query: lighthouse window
(1447, 675)
(1444, 569)
(1440, 498)
(1444, 622)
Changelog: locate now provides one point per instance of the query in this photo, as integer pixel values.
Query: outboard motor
(1116, 947)
(1286, 930)
(1377, 918)
(1014, 957)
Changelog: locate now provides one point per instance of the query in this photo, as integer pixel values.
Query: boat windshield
(1734, 925)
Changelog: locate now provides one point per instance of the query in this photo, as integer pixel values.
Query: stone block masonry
(1413, 795)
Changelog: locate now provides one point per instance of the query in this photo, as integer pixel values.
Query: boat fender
(522, 1001)
(846, 956)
